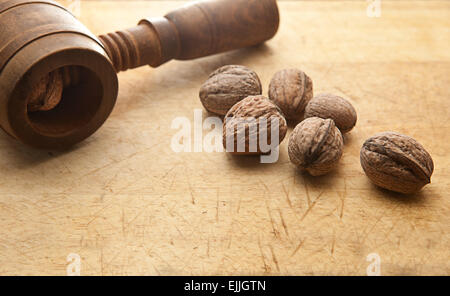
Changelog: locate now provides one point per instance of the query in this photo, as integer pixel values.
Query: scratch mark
(101, 262)
(346, 93)
(217, 207)
(168, 171)
(163, 260)
(311, 207)
(96, 215)
(239, 204)
(264, 184)
(123, 222)
(275, 231)
(113, 163)
(307, 193)
(114, 257)
(328, 70)
(185, 220)
(287, 196)
(333, 243)
(266, 267)
(19, 250)
(179, 231)
(342, 208)
(141, 212)
(274, 258)
(156, 269)
(173, 181)
(191, 191)
(137, 216)
(283, 222)
(192, 197)
(373, 226)
(343, 199)
(230, 234)
(170, 210)
(298, 248)
(106, 185)
(394, 224)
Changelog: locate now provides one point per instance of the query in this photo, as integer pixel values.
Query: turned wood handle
(196, 30)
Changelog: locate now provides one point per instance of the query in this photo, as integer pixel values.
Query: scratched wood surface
(128, 205)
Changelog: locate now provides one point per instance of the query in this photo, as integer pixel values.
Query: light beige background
(128, 205)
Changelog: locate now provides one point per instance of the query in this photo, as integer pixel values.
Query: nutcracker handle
(196, 30)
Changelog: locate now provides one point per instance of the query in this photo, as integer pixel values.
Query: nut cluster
(390, 160)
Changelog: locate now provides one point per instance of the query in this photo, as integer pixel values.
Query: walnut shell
(243, 120)
(396, 162)
(47, 93)
(228, 85)
(291, 90)
(316, 145)
(334, 107)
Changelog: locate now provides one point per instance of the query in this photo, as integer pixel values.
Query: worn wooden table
(128, 205)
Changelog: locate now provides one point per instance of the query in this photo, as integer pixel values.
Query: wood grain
(128, 205)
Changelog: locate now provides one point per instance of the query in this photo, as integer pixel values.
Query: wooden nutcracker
(58, 81)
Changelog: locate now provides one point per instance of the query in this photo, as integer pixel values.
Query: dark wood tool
(58, 81)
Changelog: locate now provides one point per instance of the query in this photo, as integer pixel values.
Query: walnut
(334, 107)
(291, 90)
(396, 162)
(315, 145)
(228, 85)
(249, 120)
(47, 93)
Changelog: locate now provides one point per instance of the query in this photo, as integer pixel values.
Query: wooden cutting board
(128, 205)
